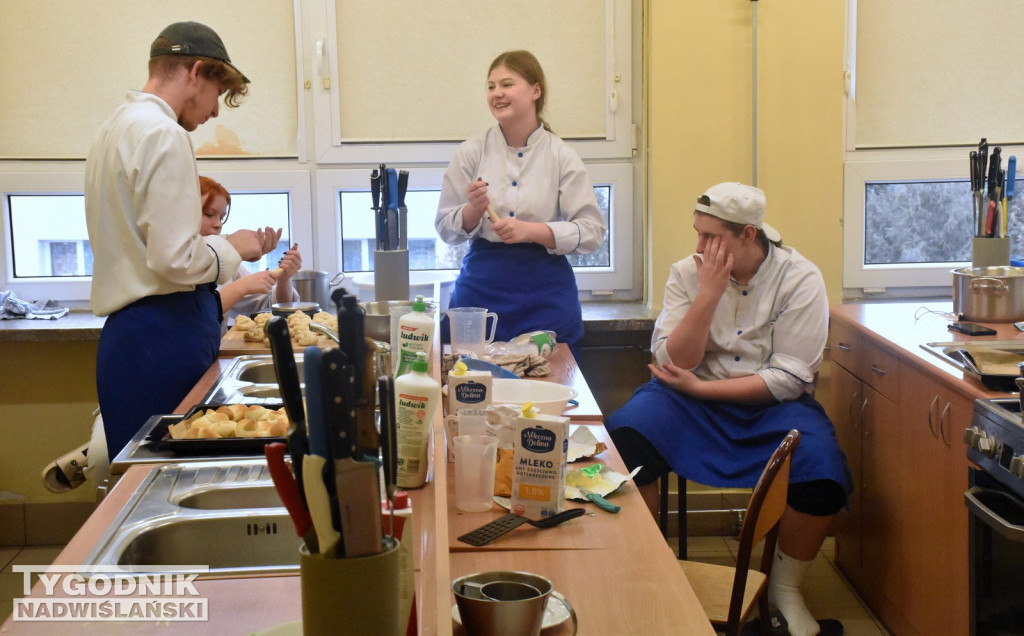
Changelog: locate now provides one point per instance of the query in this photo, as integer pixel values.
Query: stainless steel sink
(236, 541)
(222, 515)
(250, 379)
(221, 497)
(262, 372)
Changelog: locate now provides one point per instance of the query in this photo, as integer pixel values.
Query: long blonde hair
(524, 63)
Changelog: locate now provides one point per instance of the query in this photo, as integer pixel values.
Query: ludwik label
(539, 455)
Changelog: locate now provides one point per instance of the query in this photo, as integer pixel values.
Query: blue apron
(727, 445)
(529, 288)
(151, 354)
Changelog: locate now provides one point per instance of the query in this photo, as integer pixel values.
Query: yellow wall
(47, 396)
(699, 127)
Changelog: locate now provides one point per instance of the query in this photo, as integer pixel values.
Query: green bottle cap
(419, 305)
(420, 363)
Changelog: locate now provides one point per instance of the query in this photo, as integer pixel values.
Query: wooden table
(616, 570)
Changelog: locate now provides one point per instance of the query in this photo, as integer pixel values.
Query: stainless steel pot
(989, 294)
(315, 286)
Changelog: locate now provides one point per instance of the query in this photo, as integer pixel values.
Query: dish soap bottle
(415, 334)
(416, 398)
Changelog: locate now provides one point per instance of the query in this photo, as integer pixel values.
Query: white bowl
(548, 397)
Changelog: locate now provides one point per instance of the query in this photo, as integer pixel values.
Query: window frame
(77, 288)
(617, 277)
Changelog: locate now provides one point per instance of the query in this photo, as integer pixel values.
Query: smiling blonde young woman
(541, 193)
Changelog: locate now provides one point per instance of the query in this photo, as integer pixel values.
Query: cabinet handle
(877, 370)
(842, 347)
(942, 423)
(931, 411)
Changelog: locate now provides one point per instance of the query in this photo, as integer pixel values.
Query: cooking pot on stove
(989, 294)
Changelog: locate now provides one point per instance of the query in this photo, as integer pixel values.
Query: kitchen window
(907, 211)
(305, 116)
(347, 192)
(48, 251)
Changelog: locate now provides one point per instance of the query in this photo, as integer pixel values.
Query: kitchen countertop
(82, 325)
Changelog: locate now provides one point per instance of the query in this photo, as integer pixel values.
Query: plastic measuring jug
(469, 329)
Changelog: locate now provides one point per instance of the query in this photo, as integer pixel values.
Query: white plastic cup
(475, 458)
(469, 329)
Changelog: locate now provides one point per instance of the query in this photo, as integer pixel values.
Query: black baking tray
(160, 437)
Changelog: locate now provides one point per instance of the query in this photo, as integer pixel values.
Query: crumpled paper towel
(12, 307)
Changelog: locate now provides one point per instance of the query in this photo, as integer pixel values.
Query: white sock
(784, 593)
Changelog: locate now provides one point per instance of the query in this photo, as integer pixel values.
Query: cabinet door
(846, 410)
(935, 519)
(883, 508)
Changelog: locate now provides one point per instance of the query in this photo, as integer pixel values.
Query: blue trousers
(151, 354)
(529, 289)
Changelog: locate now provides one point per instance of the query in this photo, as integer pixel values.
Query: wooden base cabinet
(903, 544)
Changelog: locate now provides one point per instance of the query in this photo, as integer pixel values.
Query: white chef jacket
(143, 209)
(254, 302)
(775, 326)
(544, 181)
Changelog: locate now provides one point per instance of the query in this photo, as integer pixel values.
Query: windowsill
(81, 324)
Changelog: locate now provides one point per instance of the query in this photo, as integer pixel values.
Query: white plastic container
(432, 284)
(415, 335)
(416, 398)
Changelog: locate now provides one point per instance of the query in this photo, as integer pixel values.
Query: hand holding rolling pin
(477, 204)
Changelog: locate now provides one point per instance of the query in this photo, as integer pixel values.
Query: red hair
(210, 189)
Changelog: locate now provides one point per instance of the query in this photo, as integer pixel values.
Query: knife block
(391, 274)
(990, 252)
(356, 596)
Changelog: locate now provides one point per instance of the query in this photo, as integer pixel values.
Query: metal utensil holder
(391, 274)
(990, 252)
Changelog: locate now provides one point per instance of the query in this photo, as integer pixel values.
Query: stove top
(995, 441)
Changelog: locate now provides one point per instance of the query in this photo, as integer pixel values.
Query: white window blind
(937, 72)
(64, 76)
(417, 71)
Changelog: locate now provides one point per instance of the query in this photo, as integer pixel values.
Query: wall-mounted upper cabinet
(392, 72)
(56, 91)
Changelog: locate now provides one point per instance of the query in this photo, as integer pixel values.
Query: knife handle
(403, 185)
(603, 503)
(375, 189)
(1011, 176)
(392, 189)
(287, 489)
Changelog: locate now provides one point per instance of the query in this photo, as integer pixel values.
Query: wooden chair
(728, 594)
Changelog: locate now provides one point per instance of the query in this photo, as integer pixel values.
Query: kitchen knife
(353, 342)
(287, 373)
(1011, 176)
(403, 212)
(388, 433)
(375, 193)
(319, 504)
(355, 482)
(319, 443)
(393, 208)
(292, 498)
(974, 190)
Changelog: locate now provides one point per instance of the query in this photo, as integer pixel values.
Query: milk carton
(470, 390)
(538, 477)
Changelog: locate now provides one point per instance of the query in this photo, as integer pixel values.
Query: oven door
(996, 558)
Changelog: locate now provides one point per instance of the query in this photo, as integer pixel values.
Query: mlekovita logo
(111, 594)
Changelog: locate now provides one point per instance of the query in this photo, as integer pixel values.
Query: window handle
(322, 67)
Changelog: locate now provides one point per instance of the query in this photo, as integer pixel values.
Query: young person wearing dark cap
(737, 345)
(154, 276)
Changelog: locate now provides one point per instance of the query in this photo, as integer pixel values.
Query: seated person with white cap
(737, 345)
